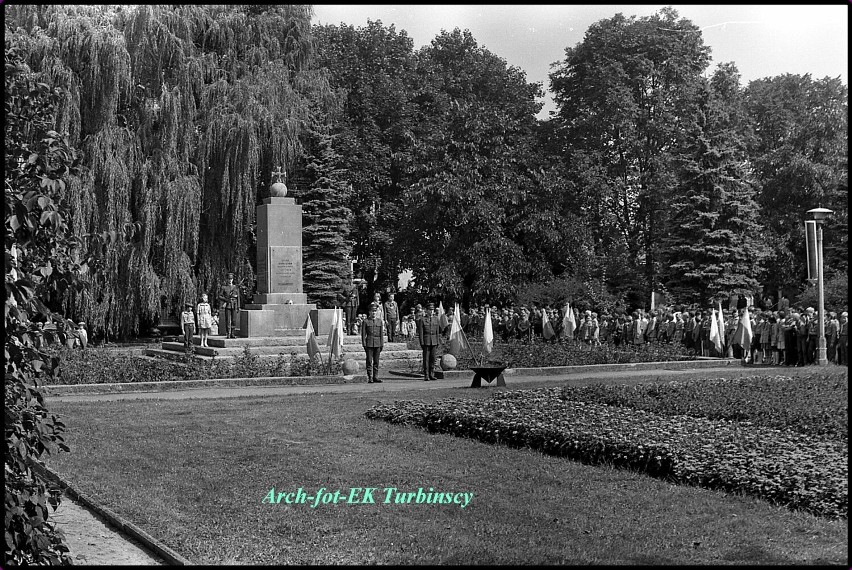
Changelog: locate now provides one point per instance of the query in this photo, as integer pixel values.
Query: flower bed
(784, 466)
(100, 365)
(815, 405)
(538, 354)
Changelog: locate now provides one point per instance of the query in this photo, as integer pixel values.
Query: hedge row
(783, 466)
(100, 365)
(536, 354)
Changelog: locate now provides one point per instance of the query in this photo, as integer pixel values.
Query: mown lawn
(193, 473)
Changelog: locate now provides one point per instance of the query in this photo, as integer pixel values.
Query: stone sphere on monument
(277, 190)
(448, 362)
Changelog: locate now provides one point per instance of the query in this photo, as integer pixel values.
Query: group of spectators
(784, 337)
(59, 333)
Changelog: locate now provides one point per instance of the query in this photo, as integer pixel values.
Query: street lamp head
(820, 214)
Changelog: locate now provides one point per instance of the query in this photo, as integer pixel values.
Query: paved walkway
(391, 383)
(91, 542)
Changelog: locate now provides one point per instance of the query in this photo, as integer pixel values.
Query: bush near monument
(102, 366)
(785, 466)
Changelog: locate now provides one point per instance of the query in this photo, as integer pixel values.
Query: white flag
(487, 333)
(721, 318)
(458, 340)
(715, 335)
(569, 323)
(335, 335)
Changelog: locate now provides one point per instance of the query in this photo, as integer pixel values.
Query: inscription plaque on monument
(285, 269)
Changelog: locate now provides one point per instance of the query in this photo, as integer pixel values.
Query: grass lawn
(193, 473)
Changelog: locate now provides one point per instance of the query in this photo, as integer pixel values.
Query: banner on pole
(811, 249)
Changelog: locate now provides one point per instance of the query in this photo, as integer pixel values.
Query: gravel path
(94, 543)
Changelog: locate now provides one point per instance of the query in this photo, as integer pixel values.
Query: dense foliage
(799, 470)
(103, 365)
(654, 173)
(41, 262)
(183, 112)
(539, 354)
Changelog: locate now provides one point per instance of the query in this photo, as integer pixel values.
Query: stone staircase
(393, 353)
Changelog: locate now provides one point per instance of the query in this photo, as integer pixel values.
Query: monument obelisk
(279, 305)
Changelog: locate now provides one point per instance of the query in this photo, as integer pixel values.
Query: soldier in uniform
(429, 329)
(372, 339)
(391, 313)
(229, 303)
(351, 303)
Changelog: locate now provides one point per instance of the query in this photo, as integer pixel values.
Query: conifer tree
(325, 231)
(715, 246)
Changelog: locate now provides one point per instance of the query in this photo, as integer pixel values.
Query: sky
(763, 41)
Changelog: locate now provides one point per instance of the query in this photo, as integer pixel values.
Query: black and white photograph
(426, 284)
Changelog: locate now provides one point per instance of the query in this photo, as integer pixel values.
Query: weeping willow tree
(182, 113)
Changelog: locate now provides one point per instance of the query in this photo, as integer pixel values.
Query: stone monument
(279, 305)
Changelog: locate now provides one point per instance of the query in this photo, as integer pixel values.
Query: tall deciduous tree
(715, 245)
(374, 68)
(182, 113)
(477, 119)
(626, 94)
(799, 152)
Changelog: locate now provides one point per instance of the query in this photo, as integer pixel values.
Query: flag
(335, 335)
(458, 340)
(744, 335)
(487, 333)
(546, 327)
(569, 323)
(721, 317)
(443, 322)
(747, 332)
(652, 300)
(339, 346)
(715, 333)
(311, 340)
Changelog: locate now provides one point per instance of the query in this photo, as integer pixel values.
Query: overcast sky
(762, 41)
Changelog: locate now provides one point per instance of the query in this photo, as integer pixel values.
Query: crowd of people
(785, 336)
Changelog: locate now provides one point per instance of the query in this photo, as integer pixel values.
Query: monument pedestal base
(258, 320)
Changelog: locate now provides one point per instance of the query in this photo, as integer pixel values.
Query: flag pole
(467, 342)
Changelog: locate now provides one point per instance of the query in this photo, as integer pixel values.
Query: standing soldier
(391, 316)
(429, 329)
(372, 339)
(350, 303)
(229, 303)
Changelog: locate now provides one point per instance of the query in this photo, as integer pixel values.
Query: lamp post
(819, 215)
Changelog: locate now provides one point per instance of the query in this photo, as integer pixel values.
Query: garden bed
(101, 365)
(700, 447)
(544, 354)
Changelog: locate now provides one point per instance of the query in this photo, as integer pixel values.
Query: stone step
(209, 353)
(292, 340)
